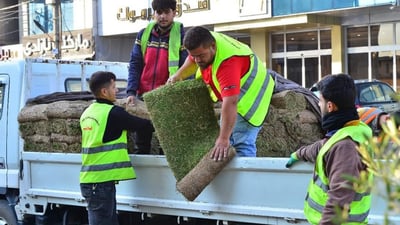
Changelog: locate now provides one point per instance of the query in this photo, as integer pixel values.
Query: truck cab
(21, 80)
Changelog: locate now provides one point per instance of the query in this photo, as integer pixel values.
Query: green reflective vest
(256, 86)
(102, 162)
(174, 44)
(317, 195)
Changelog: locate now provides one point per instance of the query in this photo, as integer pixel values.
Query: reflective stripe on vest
(174, 44)
(367, 115)
(318, 188)
(256, 86)
(102, 162)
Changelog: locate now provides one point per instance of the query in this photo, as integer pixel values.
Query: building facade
(301, 39)
(57, 29)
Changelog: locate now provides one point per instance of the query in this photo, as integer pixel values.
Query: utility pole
(56, 23)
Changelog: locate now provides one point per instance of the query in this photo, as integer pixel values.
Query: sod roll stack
(186, 126)
(290, 123)
(54, 127)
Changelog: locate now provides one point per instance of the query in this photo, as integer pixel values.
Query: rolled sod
(186, 126)
(201, 175)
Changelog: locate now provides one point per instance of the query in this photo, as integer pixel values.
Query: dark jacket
(342, 158)
(151, 71)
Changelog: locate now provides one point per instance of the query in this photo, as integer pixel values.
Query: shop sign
(10, 52)
(183, 6)
(130, 16)
(72, 43)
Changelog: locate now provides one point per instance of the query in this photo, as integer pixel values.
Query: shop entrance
(302, 56)
(303, 70)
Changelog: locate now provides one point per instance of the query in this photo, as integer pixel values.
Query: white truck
(38, 188)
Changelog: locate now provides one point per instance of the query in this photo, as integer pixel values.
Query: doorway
(302, 56)
(303, 70)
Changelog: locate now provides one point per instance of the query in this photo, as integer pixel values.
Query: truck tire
(7, 215)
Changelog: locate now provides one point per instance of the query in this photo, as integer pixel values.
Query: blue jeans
(244, 137)
(102, 203)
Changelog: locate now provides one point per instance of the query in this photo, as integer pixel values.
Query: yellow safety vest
(102, 162)
(256, 85)
(317, 195)
(174, 44)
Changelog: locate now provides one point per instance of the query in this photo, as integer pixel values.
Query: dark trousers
(142, 142)
(102, 203)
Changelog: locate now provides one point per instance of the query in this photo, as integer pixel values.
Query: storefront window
(302, 61)
(311, 69)
(382, 34)
(302, 41)
(374, 34)
(357, 36)
(358, 65)
(325, 40)
(245, 40)
(384, 44)
(382, 66)
(278, 43)
(326, 65)
(278, 65)
(294, 70)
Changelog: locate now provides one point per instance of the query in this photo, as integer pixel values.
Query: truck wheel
(7, 215)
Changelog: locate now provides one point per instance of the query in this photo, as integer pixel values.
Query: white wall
(220, 11)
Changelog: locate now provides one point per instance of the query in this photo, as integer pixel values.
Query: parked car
(373, 93)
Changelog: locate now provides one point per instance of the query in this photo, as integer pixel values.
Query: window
(358, 65)
(302, 56)
(302, 41)
(357, 36)
(377, 92)
(373, 52)
(278, 43)
(325, 39)
(370, 94)
(74, 84)
(388, 92)
(73, 16)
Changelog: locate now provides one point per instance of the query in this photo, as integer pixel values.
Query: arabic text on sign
(69, 42)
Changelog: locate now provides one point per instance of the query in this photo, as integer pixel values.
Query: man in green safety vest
(105, 159)
(336, 155)
(157, 53)
(235, 76)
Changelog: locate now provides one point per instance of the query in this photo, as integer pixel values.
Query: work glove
(293, 159)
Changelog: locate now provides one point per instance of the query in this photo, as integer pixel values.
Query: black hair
(99, 80)
(197, 37)
(339, 89)
(163, 4)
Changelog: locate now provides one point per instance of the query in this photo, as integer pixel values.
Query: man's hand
(130, 100)
(220, 150)
(173, 79)
(293, 159)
